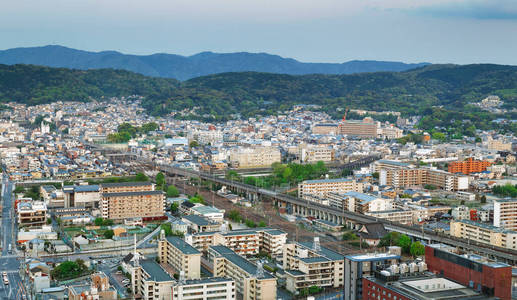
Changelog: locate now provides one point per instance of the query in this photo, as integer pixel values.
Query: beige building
(255, 157)
(150, 281)
(124, 205)
(505, 214)
(31, 213)
(395, 215)
(307, 265)
(243, 242)
(180, 255)
(99, 289)
(365, 128)
(314, 153)
(484, 233)
(322, 187)
(498, 145)
(399, 174)
(214, 288)
(325, 128)
(251, 281)
(358, 202)
(119, 187)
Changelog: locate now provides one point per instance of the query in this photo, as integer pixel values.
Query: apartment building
(358, 266)
(214, 288)
(322, 187)
(243, 242)
(149, 281)
(401, 175)
(180, 255)
(31, 213)
(365, 128)
(119, 187)
(505, 214)
(251, 281)
(401, 216)
(314, 153)
(124, 205)
(255, 157)
(309, 264)
(200, 224)
(359, 202)
(470, 165)
(484, 233)
(498, 144)
(98, 289)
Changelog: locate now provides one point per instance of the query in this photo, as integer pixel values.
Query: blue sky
(438, 31)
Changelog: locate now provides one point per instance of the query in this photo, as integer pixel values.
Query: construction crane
(344, 117)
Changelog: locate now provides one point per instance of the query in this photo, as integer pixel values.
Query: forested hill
(252, 93)
(186, 67)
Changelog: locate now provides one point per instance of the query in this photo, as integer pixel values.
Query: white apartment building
(359, 202)
(255, 157)
(484, 233)
(461, 213)
(208, 288)
(314, 153)
(505, 214)
(322, 187)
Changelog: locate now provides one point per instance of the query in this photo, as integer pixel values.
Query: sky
(436, 31)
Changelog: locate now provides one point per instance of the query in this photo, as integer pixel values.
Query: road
(9, 262)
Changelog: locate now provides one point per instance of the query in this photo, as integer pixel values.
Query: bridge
(353, 220)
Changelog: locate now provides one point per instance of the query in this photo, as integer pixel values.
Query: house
(372, 233)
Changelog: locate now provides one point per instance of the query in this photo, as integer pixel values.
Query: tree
(108, 234)
(174, 207)
(417, 249)
(405, 243)
(234, 215)
(438, 136)
(194, 144)
(348, 236)
(160, 179)
(172, 191)
(99, 221)
(141, 177)
(166, 227)
(19, 189)
(375, 175)
(390, 239)
(262, 224)
(483, 199)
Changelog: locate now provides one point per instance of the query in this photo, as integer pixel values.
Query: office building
(484, 233)
(482, 274)
(505, 213)
(315, 153)
(325, 128)
(181, 256)
(251, 281)
(309, 264)
(358, 266)
(365, 128)
(470, 165)
(87, 196)
(322, 187)
(255, 157)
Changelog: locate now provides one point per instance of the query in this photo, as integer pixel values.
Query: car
(118, 272)
(126, 281)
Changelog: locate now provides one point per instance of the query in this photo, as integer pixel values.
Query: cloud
(471, 9)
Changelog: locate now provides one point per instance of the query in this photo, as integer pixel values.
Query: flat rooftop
(155, 271)
(181, 245)
(372, 256)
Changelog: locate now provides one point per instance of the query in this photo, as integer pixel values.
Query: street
(9, 262)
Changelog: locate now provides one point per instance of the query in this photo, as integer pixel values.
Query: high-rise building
(180, 255)
(505, 213)
(468, 166)
(365, 128)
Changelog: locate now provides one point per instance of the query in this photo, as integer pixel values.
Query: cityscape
(258, 150)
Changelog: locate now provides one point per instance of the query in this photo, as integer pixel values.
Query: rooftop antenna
(316, 245)
(260, 269)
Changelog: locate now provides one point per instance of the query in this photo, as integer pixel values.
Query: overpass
(303, 207)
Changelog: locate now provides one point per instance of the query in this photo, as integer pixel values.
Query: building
(206, 288)
(123, 205)
(98, 289)
(197, 224)
(465, 196)
(498, 144)
(314, 153)
(325, 128)
(399, 174)
(470, 165)
(358, 202)
(402, 216)
(484, 233)
(309, 264)
(87, 196)
(181, 256)
(418, 286)
(119, 187)
(251, 281)
(210, 212)
(255, 157)
(489, 277)
(365, 128)
(461, 212)
(358, 266)
(505, 214)
(31, 213)
(150, 281)
(322, 187)
(243, 242)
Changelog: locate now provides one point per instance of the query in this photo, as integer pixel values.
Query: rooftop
(181, 245)
(127, 194)
(198, 220)
(327, 180)
(365, 198)
(121, 184)
(154, 270)
(372, 256)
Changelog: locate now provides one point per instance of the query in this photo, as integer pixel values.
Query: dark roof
(188, 204)
(374, 231)
(125, 194)
(198, 220)
(128, 258)
(117, 184)
(181, 245)
(154, 270)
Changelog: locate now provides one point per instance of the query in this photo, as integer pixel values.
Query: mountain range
(187, 67)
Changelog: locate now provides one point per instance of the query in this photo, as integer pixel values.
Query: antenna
(316, 245)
